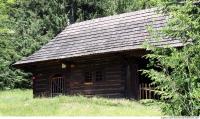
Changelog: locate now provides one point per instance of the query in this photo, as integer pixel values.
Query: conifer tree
(176, 71)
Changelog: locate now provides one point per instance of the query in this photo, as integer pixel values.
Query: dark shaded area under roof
(115, 33)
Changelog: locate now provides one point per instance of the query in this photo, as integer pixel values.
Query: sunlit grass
(22, 103)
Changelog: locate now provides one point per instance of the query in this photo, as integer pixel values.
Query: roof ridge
(111, 16)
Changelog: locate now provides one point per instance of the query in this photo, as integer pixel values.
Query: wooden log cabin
(100, 57)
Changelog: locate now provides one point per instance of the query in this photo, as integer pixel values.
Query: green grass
(22, 103)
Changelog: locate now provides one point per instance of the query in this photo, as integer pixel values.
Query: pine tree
(176, 71)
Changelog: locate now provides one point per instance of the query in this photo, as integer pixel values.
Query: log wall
(115, 83)
(41, 86)
(112, 84)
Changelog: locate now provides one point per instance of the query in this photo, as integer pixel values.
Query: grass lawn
(21, 103)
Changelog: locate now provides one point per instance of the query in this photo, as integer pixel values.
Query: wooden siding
(112, 84)
(41, 86)
(120, 77)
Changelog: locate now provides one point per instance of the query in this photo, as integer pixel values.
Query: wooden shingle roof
(115, 33)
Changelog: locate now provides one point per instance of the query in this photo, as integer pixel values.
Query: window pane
(88, 76)
(99, 76)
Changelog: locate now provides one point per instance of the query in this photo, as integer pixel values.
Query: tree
(7, 51)
(176, 71)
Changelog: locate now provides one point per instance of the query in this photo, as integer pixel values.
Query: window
(88, 76)
(91, 76)
(99, 76)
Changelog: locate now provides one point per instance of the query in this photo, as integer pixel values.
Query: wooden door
(132, 81)
(57, 85)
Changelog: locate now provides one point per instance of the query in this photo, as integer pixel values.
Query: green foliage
(89, 9)
(32, 24)
(176, 71)
(9, 77)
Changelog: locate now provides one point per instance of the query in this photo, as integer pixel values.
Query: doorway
(132, 81)
(57, 85)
